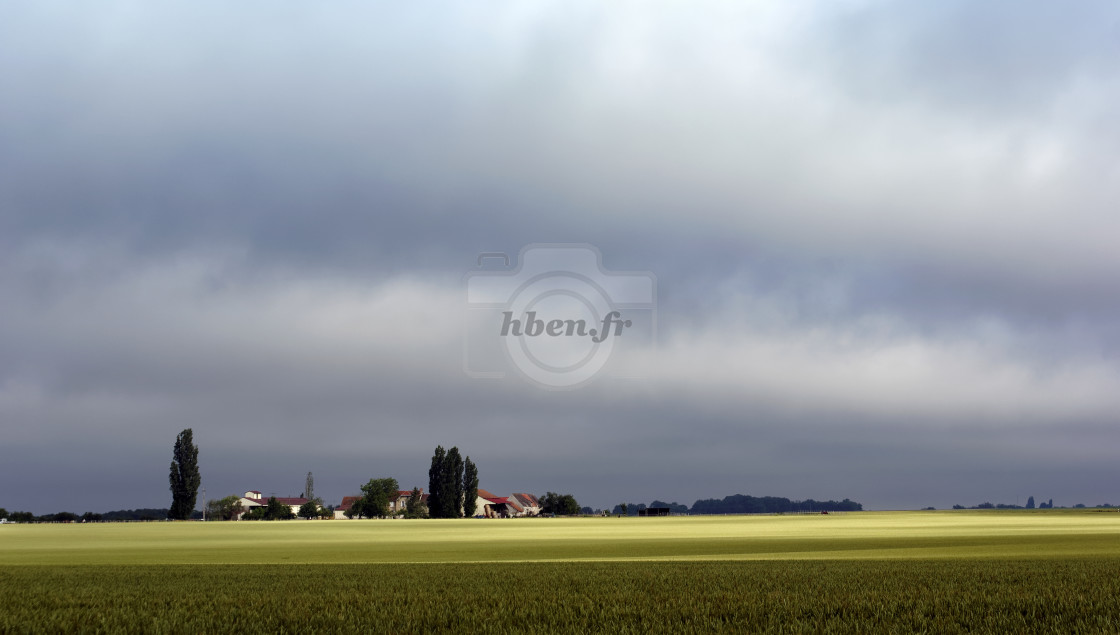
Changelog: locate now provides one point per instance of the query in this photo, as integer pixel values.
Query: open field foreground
(868, 572)
(935, 596)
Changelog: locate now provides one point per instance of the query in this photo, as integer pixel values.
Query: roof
(497, 501)
(485, 494)
(526, 500)
(283, 500)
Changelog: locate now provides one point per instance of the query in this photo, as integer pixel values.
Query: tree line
(143, 514)
(743, 504)
(1049, 504)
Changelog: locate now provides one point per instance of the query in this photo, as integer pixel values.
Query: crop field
(1049, 571)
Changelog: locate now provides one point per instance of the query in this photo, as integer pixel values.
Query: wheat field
(979, 572)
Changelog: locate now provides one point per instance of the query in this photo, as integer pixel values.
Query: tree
(436, 478)
(21, 517)
(1030, 502)
(254, 513)
(275, 510)
(623, 507)
(376, 495)
(309, 487)
(470, 488)
(184, 478)
(559, 504)
(228, 508)
(448, 484)
(415, 507)
(3, 513)
(454, 484)
(309, 510)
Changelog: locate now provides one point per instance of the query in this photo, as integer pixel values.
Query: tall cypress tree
(185, 478)
(436, 479)
(470, 487)
(454, 483)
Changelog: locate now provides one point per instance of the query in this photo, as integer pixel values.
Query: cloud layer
(883, 236)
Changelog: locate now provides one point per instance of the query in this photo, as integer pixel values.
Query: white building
(254, 498)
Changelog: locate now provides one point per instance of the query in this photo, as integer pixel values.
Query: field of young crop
(903, 572)
(1007, 596)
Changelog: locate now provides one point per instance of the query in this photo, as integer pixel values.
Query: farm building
(254, 498)
(529, 504)
(487, 505)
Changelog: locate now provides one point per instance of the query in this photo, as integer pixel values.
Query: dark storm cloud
(882, 235)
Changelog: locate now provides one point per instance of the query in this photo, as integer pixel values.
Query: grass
(1009, 596)
(872, 535)
(865, 572)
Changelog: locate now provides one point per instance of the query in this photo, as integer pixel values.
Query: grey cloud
(998, 59)
(255, 223)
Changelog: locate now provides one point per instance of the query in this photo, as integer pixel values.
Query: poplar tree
(452, 485)
(436, 478)
(470, 487)
(184, 477)
(453, 508)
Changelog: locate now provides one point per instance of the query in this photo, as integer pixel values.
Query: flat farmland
(979, 572)
(865, 535)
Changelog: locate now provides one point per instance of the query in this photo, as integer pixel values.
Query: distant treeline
(743, 504)
(141, 514)
(90, 517)
(1030, 505)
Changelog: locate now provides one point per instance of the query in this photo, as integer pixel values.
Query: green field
(1049, 571)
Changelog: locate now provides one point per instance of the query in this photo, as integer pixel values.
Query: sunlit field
(991, 571)
(866, 535)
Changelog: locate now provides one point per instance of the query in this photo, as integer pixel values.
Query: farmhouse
(254, 498)
(347, 503)
(488, 505)
(529, 504)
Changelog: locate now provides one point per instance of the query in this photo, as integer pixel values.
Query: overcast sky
(884, 234)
